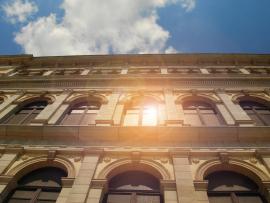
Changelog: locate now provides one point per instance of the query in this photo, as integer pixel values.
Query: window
(199, 113)
(83, 113)
(27, 113)
(133, 187)
(143, 114)
(231, 187)
(39, 186)
(258, 112)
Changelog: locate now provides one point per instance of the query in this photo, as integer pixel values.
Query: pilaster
(81, 186)
(238, 114)
(183, 177)
(48, 112)
(105, 115)
(174, 115)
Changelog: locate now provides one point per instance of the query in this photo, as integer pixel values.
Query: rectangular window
(131, 117)
(149, 117)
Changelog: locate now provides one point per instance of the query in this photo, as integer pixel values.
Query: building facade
(178, 128)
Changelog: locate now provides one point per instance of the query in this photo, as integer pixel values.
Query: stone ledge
(137, 135)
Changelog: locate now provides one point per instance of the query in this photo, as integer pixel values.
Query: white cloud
(99, 27)
(19, 10)
(188, 5)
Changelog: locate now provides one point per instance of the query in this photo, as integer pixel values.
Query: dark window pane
(249, 199)
(220, 199)
(83, 113)
(89, 119)
(48, 195)
(18, 201)
(211, 120)
(119, 198)
(23, 194)
(72, 119)
(148, 199)
(134, 180)
(27, 113)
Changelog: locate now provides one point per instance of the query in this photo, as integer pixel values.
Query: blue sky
(65, 27)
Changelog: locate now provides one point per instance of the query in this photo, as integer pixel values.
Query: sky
(72, 27)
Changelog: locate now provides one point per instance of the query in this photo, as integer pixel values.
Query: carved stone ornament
(195, 160)
(107, 159)
(164, 160)
(24, 157)
(253, 160)
(77, 158)
(224, 157)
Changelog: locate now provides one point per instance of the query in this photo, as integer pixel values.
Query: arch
(234, 165)
(138, 96)
(3, 98)
(251, 97)
(82, 97)
(35, 98)
(199, 97)
(149, 166)
(39, 162)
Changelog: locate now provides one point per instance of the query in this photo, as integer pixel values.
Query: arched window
(199, 113)
(141, 113)
(39, 186)
(133, 187)
(258, 112)
(231, 187)
(27, 113)
(82, 113)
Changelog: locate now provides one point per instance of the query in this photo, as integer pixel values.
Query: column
(225, 114)
(6, 160)
(184, 181)
(174, 115)
(169, 190)
(6, 107)
(235, 110)
(201, 191)
(57, 115)
(96, 191)
(49, 110)
(118, 113)
(80, 188)
(105, 115)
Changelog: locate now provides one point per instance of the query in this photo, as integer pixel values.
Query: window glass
(231, 187)
(258, 112)
(144, 114)
(149, 116)
(198, 113)
(83, 113)
(133, 187)
(41, 185)
(27, 113)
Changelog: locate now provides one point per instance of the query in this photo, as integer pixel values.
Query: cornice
(113, 82)
(143, 59)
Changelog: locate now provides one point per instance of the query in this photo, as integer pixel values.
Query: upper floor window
(200, 113)
(83, 113)
(231, 187)
(135, 187)
(141, 114)
(258, 112)
(27, 113)
(41, 185)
